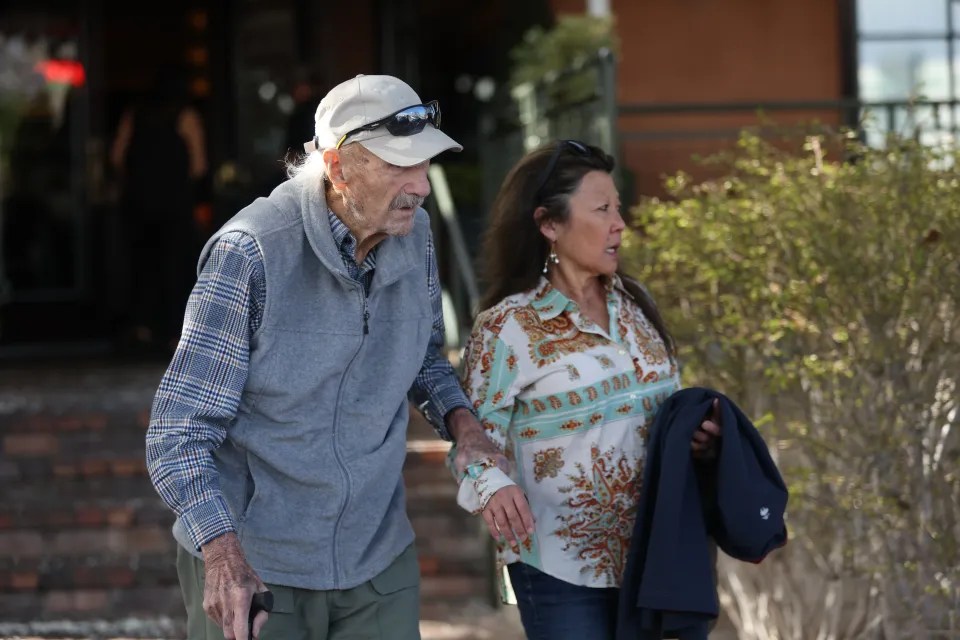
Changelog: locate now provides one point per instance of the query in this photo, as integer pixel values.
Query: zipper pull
(366, 317)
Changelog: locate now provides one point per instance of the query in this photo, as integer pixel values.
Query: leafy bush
(823, 295)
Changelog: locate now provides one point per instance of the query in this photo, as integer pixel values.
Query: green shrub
(823, 296)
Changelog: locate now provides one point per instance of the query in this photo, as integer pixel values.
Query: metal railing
(661, 139)
(577, 102)
(871, 118)
(457, 276)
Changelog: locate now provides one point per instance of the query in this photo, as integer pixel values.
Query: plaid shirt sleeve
(437, 389)
(200, 392)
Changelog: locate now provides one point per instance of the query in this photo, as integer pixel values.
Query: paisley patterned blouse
(570, 403)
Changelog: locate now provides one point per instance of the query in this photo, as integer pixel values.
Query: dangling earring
(552, 257)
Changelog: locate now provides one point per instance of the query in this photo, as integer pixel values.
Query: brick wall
(84, 536)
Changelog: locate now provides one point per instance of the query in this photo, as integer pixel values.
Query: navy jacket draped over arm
(737, 501)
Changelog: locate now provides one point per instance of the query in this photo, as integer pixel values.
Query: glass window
(956, 69)
(900, 70)
(886, 17)
(904, 55)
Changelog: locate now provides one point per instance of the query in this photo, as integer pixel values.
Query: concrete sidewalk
(473, 622)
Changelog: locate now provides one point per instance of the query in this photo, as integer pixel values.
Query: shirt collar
(549, 303)
(341, 233)
(347, 244)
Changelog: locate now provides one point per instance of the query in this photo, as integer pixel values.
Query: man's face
(386, 196)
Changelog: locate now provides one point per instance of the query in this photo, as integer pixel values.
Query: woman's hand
(706, 437)
(508, 516)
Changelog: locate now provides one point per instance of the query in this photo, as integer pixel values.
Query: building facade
(689, 75)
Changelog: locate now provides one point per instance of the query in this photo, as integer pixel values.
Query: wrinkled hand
(229, 586)
(507, 511)
(508, 516)
(472, 443)
(706, 437)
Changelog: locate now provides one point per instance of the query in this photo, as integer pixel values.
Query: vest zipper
(336, 450)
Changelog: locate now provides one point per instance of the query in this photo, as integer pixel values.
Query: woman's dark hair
(514, 250)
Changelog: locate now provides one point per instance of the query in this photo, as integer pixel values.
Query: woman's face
(590, 238)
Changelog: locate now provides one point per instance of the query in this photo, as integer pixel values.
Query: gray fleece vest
(311, 467)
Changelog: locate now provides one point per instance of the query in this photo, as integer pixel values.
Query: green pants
(386, 607)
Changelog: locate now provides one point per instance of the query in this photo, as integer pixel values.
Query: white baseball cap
(384, 115)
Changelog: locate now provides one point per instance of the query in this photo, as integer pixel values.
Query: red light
(62, 72)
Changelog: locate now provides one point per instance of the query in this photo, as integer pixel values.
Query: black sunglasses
(576, 147)
(408, 121)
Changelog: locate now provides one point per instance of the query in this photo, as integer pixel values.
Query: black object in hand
(262, 601)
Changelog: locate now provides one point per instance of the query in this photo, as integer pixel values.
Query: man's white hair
(313, 170)
(309, 168)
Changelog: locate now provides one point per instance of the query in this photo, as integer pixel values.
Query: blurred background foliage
(549, 50)
(555, 56)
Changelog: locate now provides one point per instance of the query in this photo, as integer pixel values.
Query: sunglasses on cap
(408, 121)
(574, 146)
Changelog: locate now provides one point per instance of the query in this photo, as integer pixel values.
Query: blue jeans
(552, 609)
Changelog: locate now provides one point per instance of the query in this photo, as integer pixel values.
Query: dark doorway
(72, 68)
(159, 70)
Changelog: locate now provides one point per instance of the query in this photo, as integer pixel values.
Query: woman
(566, 367)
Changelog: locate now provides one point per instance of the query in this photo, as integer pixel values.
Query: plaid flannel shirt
(200, 391)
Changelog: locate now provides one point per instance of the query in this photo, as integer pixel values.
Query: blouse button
(622, 352)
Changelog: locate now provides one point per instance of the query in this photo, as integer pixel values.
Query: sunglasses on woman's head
(408, 121)
(574, 146)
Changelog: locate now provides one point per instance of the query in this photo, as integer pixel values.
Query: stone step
(56, 493)
(92, 604)
(91, 543)
(82, 420)
(118, 571)
(120, 514)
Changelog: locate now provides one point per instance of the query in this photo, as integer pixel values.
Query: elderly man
(278, 432)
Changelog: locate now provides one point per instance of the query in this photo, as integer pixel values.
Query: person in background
(159, 153)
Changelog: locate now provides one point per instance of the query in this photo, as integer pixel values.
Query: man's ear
(334, 163)
(547, 226)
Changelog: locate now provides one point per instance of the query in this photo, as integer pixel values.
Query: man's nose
(419, 182)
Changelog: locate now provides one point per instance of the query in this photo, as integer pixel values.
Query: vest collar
(396, 255)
